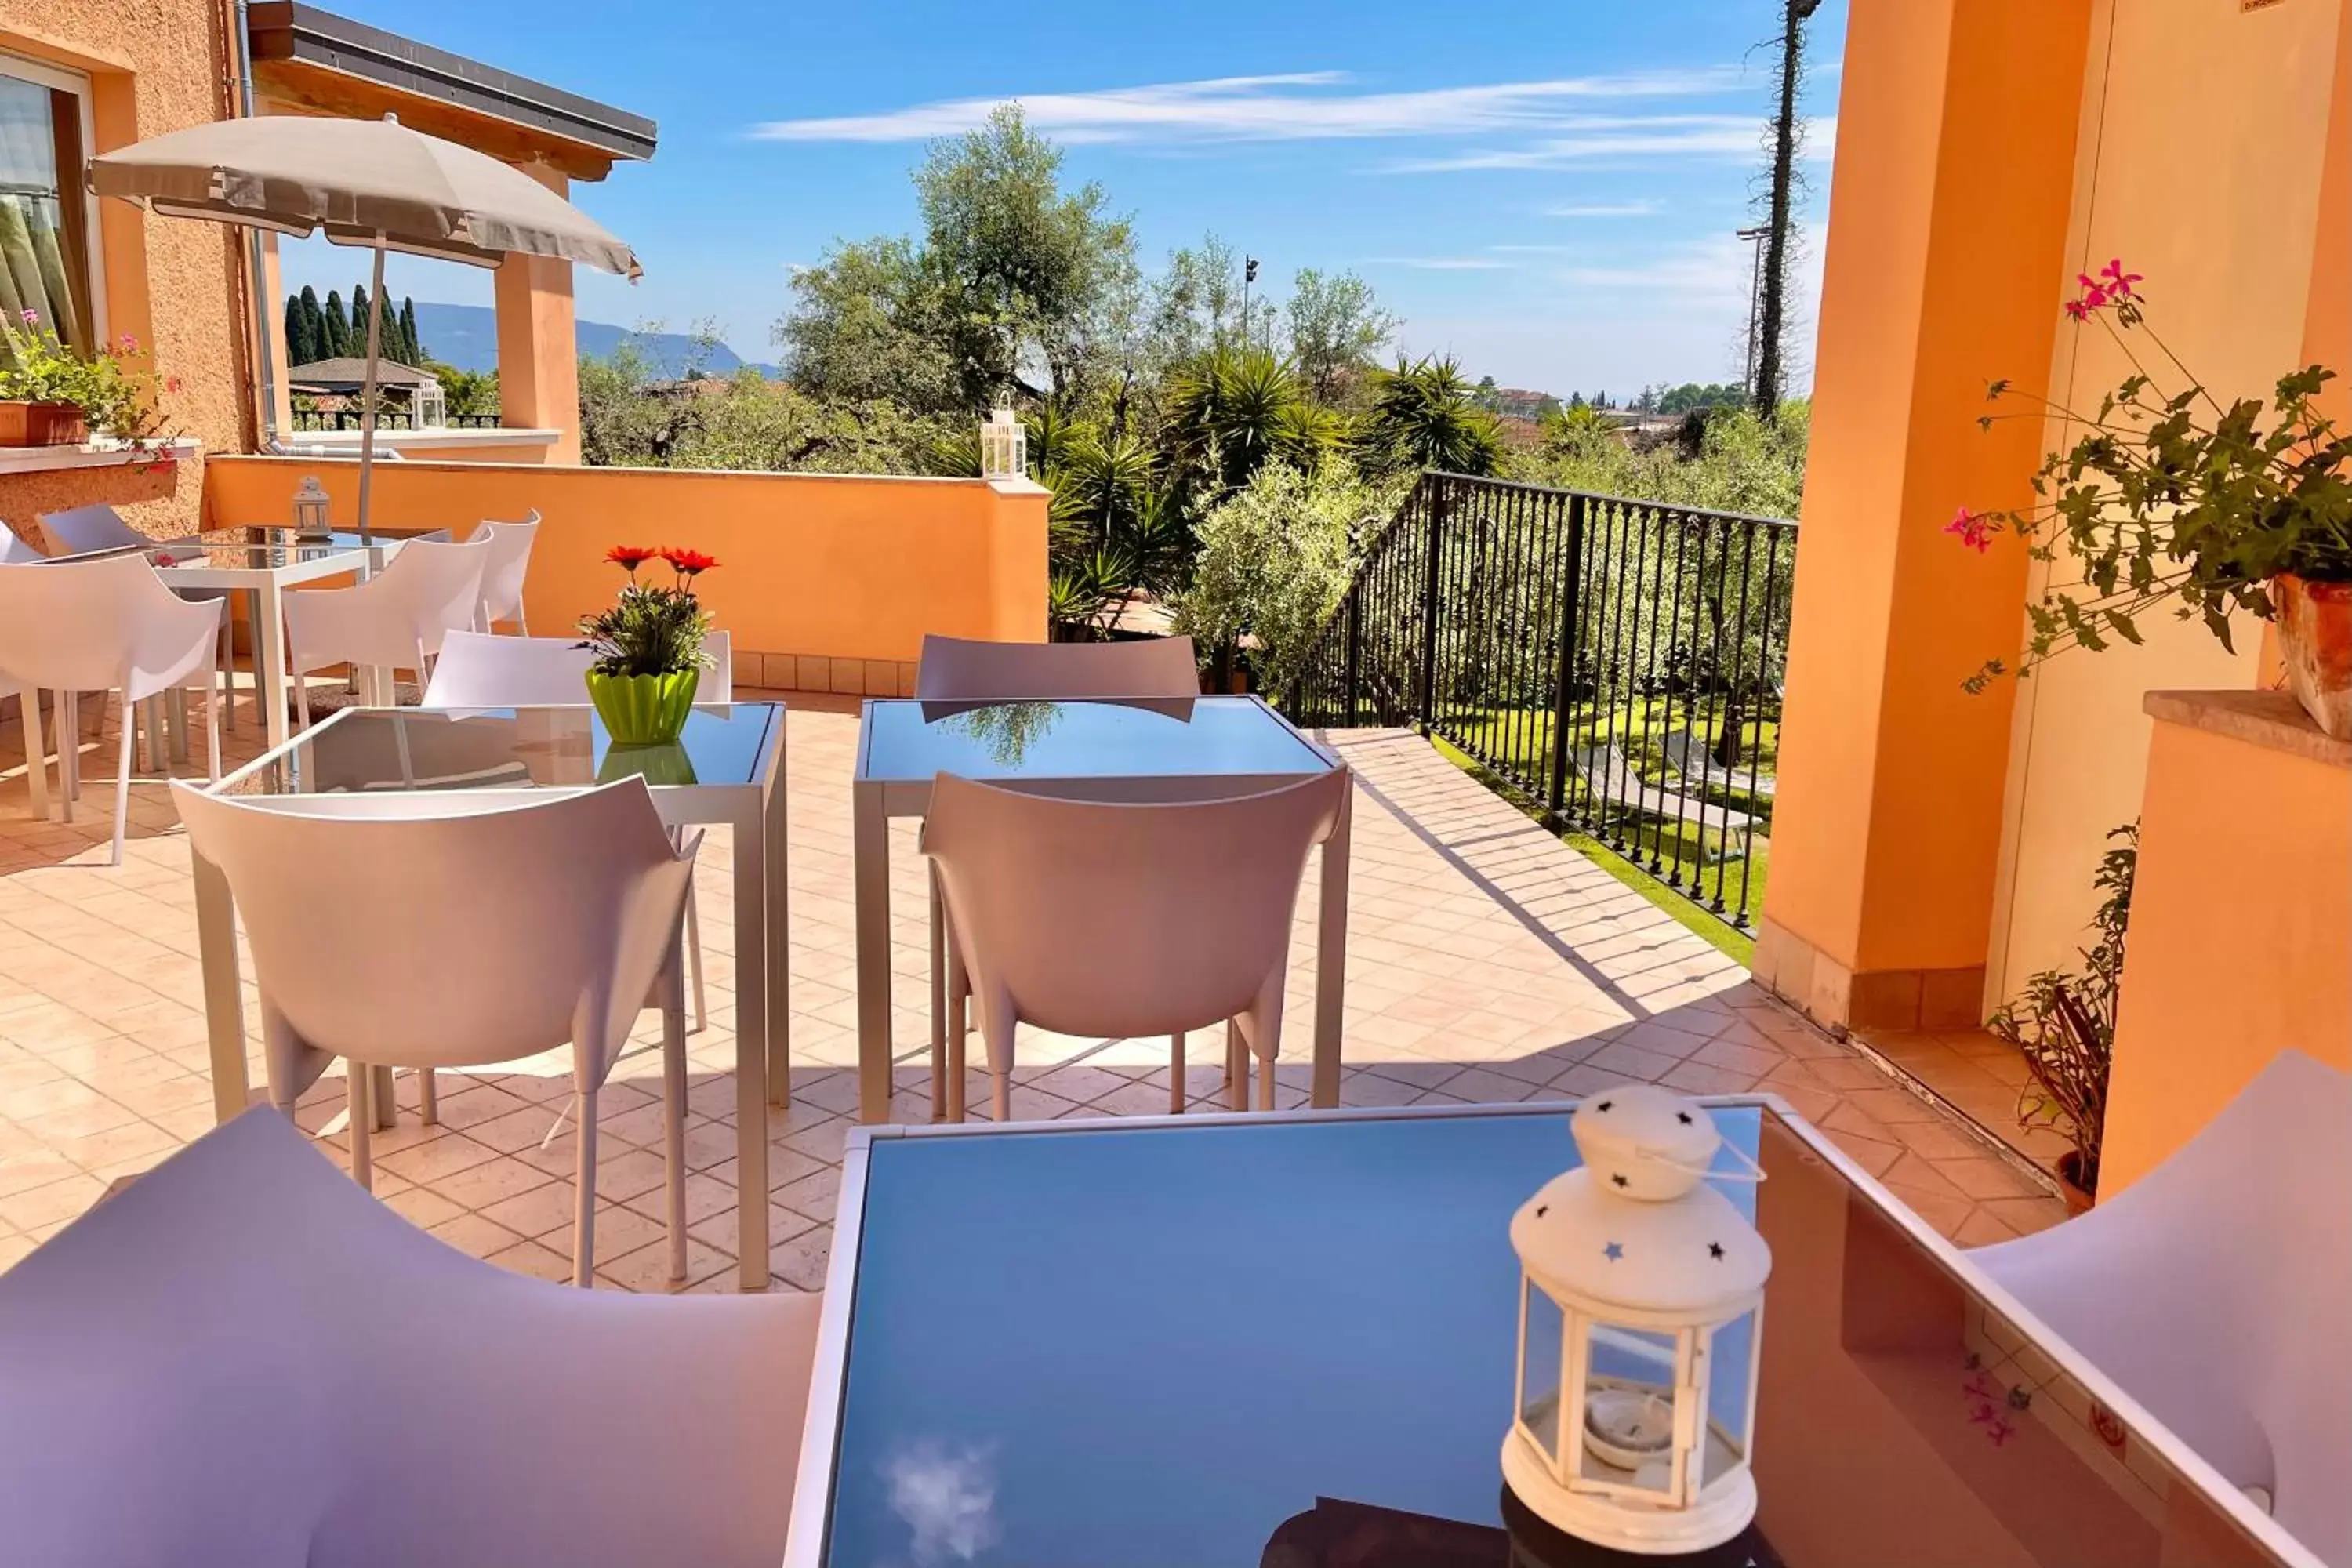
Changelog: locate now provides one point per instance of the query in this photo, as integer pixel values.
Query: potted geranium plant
(648, 647)
(53, 394)
(2171, 497)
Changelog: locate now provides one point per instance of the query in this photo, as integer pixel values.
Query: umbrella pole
(367, 388)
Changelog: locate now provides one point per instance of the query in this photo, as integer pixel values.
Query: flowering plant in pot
(648, 647)
(2171, 497)
(55, 394)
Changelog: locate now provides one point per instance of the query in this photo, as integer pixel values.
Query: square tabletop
(377, 750)
(268, 548)
(909, 741)
(1291, 1341)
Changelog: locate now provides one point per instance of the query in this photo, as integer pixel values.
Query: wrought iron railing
(1617, 664)
(348, 419)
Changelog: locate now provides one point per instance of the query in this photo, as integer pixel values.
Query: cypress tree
(297, 344)
(338, 337)
(314, 328)
(416, 351)
(358, 319)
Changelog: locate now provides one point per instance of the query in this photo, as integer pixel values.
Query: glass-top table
(1121, 749)
(1289, 1342)
(726, 769)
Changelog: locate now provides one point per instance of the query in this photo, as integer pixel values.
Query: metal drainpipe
(256, 274)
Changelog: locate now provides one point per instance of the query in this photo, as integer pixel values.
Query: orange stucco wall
(1948, 216)
(2240, 942)
(847, 567)
(172, 284)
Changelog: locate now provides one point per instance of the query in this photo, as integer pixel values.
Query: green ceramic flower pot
(642, 709)
(667, 764)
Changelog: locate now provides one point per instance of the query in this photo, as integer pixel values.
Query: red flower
(2078, 309)
(687, 562)
(2119, 282)
(630, 557)
(1974, 529)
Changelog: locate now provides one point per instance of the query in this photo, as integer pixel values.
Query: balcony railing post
(1433, 551)
(1352, 683)
(1571, 597)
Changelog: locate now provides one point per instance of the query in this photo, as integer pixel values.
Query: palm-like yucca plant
(1236, 408)
(1424, 415)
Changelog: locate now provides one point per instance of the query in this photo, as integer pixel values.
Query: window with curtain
(44, 244)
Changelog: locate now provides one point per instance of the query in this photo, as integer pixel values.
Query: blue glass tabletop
(1291, 1342)
(906, 740)
(380, 749)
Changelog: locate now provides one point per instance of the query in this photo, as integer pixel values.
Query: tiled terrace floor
(1486, 963)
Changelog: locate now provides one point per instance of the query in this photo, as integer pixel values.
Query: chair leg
(522, 622)
(583, 1224)
(1236, 1067)
(36, 749)
(1176, 1074)
(176, 703)
(358, 1087)
(301, 680)
(999, 1099)
(423, 677)
(694, 955)
(65, 719)
(1265, 1083)
(938, 999)
(228, 670)
(674, 1117)
(958, 1028)
(122, 786)
(428, 1097)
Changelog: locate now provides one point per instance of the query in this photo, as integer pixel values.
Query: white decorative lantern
(1641, 1316)
(1004, 447)
(310, 504)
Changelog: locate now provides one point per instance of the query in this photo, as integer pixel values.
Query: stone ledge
(91, 455)
(2272, 720)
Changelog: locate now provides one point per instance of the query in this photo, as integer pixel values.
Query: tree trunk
(1771, 369)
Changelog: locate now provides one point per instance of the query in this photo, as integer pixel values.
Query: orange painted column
(538, 360)
(1949, 210)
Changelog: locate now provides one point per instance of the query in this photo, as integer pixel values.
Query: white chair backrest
(972, 670)
(1202, 919)
(92, 626)
(195, 1374)
(509, 561)
(93, 527)
(494, 924)
(2240, 1245)
(428, 589)
(477, 670)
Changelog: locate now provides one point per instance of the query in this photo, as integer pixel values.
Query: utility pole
(1770, 368)
(1755, 297)
(1249, 276)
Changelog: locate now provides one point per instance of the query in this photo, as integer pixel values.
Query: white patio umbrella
(372, 182)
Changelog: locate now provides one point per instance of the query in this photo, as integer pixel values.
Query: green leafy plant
(653, 628)
(2169, 497)
(1424, 415)
(113, 387)
(2064, 1025)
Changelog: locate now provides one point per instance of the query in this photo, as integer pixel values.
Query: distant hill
(467, 336)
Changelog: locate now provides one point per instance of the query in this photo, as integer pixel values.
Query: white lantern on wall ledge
(1641, 1316)
(310, 504)
(1004, 447)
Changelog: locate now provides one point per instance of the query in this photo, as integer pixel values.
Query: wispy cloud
(1709, 136)
(1292, 106)
(1645, 208)
(947, 1497)
(1441, 263)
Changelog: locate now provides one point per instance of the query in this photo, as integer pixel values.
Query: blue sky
(1547, 191)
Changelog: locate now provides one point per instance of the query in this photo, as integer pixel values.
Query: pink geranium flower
(1973, 529)
(2119, 282)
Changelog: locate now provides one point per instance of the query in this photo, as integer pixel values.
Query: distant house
(1518, 403)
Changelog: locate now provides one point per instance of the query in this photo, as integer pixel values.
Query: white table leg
(269, 664)
(780, 948)
(223, 1002)
(1330, 959)
(751, 1000)
(871, 871)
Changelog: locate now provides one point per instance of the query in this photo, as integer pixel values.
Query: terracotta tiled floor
(1982, 1075)
(1486, 963)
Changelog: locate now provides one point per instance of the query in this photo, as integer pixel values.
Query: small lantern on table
(310, 504)
(1641, 1316)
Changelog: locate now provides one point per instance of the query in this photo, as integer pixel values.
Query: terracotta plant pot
(41, 424)
(2078, 1195)
(644, 710)
(2315, 625)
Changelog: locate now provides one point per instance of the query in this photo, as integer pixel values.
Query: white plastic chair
(396, 619)
(477, 670)
(108, 625)
(85, 530)
(2216, 1290)
(972, 670)
(502, 578)
(495, 931)
(1199, 933)
(15, 552)
(243, 1359)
